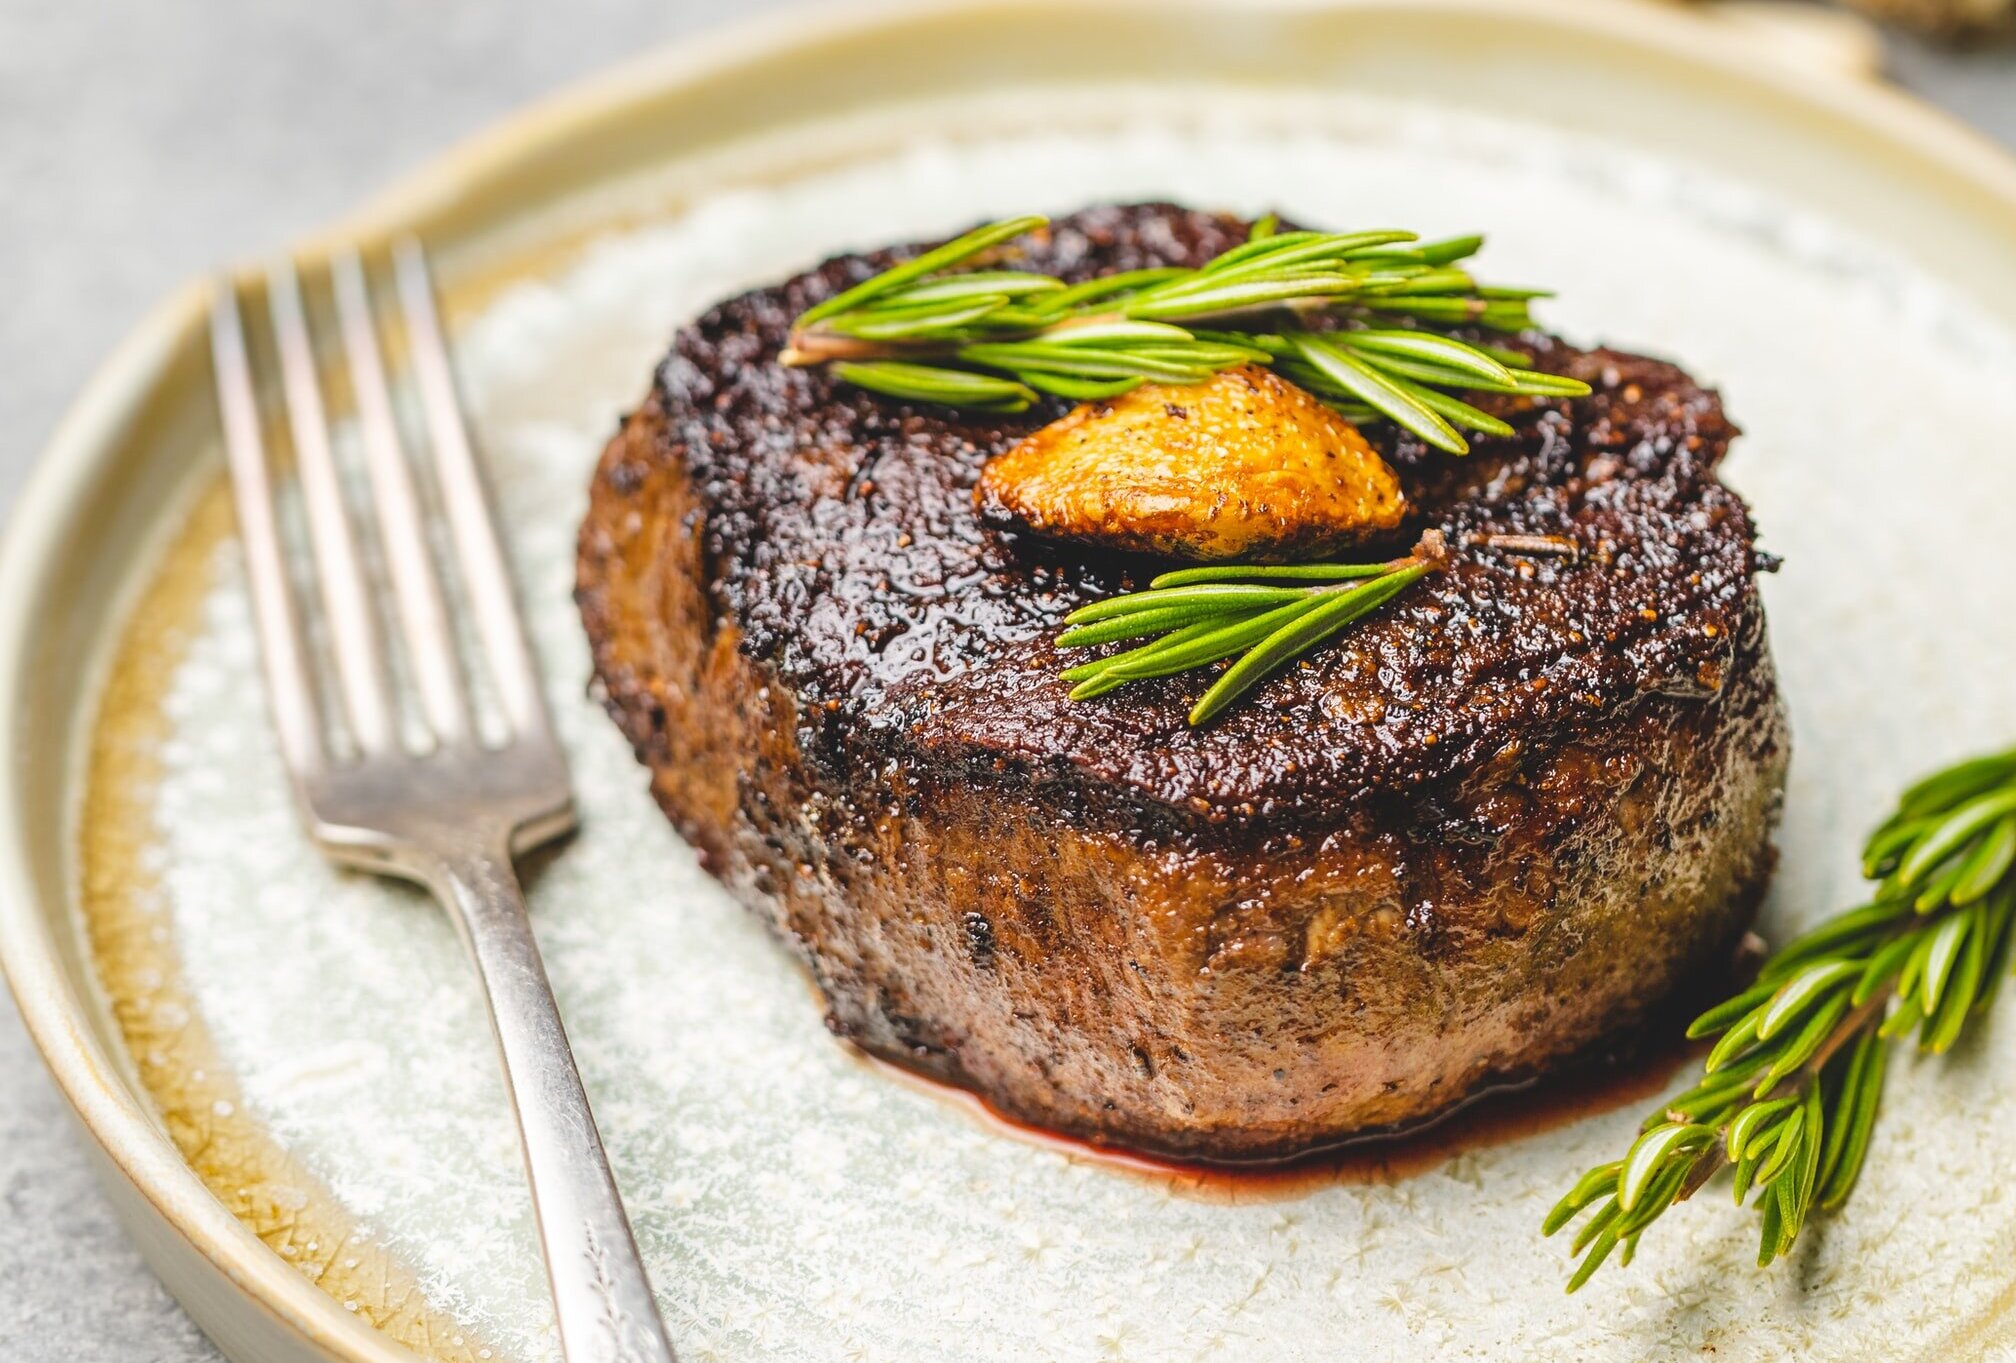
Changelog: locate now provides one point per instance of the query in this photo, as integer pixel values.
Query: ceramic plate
(286, 1068)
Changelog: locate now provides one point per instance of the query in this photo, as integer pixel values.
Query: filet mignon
(1503, 818)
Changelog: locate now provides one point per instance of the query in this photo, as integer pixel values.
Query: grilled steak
(1504, 817)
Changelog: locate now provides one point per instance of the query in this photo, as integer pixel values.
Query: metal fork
(451, 817)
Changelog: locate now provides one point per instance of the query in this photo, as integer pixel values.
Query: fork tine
(430, 640)
(289, 682)
(484, 571)
(360, 668)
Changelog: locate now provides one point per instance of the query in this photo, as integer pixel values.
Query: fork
(453, 813)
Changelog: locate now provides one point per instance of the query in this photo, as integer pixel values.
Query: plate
(283, 1070)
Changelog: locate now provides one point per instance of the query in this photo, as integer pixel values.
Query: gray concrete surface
(141, 143)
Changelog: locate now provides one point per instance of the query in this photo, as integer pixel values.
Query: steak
(1502, 819)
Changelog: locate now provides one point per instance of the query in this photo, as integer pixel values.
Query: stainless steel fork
(450, 814)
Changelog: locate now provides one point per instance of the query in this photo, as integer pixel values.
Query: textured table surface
(141, 144)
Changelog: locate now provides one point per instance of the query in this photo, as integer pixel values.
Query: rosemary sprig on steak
(1265, 616)
(1366, 318)
(1791, 1088)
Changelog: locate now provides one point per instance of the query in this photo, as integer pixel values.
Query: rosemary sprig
(1267, 616)
(944, 328)
(1790, 1091)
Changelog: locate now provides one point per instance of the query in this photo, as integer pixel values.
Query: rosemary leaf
(1099, 338)
(1022, 357)
(1265, 616)
(1079, 390)
(1849, 1136)
(1794, 1084)
(1208, 596)
(1134, 625)
(954, 288)
(1175, 639)
(928, 383)
(1454, 249)
(1287, 572)
(1461, 414)
(1242, 632)
(1392, 396)
(1077, 296)
(1452, 356)
(901, 324)
(943, 257)
(1297, 637)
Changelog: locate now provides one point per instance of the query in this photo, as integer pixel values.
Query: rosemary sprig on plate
(1265, 616)
(945, 328)
(1791, 1089)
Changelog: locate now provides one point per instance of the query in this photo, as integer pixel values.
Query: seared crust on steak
(1486, 827)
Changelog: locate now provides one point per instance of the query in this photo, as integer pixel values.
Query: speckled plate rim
(1665, 78)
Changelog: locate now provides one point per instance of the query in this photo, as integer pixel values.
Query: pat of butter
(1243, 466)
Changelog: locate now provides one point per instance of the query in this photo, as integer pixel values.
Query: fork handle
(601, 1297)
